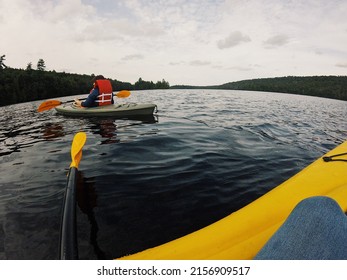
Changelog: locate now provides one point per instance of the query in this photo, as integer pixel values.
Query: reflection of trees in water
(86, 194)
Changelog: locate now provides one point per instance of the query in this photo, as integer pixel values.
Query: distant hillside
(323, 86)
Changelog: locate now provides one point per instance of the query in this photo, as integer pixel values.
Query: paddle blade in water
(48, 105)
(76, 148)
(123, 94)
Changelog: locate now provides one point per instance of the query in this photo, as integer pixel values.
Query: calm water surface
(143, 182)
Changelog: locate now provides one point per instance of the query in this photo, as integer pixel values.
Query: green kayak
(114, 110)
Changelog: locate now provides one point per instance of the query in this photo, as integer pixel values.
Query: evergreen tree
(2, 64)
(162, 85)
(41, 65)
(29, 66)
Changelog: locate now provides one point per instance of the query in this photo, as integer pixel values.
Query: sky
(190, 42)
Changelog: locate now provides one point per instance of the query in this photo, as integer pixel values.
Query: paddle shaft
(68, 232)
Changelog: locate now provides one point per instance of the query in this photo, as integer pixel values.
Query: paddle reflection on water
(86, 197)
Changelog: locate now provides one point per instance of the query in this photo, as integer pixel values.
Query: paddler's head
(98, 77)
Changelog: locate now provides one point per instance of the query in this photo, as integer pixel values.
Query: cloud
(118, 29)
(241, 68)
(175, 63)
(235, 38)
(318, 52)
(199, 63)
(342, 65)
(64, 10)
(98, 32)
(133, 57)
(276, 41)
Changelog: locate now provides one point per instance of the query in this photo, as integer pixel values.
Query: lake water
(206, 154)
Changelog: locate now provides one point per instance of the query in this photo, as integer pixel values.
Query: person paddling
(100, 95)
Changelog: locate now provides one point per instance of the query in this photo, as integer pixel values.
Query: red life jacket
(105, 92)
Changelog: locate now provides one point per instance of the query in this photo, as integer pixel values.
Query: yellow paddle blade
(123, 94)
(76, 148)
(48, 105)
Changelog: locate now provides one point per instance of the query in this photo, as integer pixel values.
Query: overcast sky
(195, 42)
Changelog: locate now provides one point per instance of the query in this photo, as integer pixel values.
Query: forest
(334, 87)
(23, 85)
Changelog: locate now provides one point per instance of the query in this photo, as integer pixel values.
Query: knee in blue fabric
(316, 229)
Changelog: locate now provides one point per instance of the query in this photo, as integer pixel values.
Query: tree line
(19, 85)
(321, 86)
(334, 87)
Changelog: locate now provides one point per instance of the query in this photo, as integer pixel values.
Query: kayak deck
(114, 110)
(243, 233)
